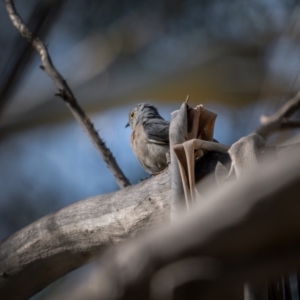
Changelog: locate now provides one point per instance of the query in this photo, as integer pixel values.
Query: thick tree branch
(66, 93)
(60, 242)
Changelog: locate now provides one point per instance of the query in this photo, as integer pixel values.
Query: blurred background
(238, 58)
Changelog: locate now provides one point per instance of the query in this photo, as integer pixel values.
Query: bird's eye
(132, 115)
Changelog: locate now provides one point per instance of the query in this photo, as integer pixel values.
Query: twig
(66, 94)
(288, 124)
(279, 120)
(40, 21)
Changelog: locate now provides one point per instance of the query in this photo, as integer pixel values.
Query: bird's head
(141, 113)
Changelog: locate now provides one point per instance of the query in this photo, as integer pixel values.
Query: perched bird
(149, 137)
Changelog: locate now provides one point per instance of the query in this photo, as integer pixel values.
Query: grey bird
(149, 137)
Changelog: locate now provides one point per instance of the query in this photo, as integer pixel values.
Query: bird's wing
(157, 131)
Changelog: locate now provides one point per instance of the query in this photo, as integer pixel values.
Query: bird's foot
(157, 173)
(142, 179)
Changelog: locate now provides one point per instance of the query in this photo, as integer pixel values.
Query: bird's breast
(152, 156)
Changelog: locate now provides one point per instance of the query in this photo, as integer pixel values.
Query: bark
(60, 242)
(67, 239)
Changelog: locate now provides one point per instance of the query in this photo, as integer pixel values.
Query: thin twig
(66, 94)
(279, 120)
(289, 124)
(40, 21)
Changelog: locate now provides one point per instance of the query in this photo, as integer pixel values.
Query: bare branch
(277, 121)
(66, 93)
(40, 21)
(289, 124)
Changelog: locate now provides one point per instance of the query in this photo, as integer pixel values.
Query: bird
(149, 137)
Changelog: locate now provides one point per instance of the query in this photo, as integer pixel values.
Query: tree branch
(277, 121)
(60, 242)
(289, 124)
(40, 21)
(66, 94)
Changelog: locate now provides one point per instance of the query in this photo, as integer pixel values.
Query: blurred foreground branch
(249, 229)
(66, 94)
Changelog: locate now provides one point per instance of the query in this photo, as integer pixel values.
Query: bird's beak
(127, 125)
